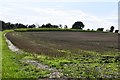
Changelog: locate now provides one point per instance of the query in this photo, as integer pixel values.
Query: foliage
(49, 26)
(116, 31)
(112, 28)
(65, 27)
(78, 25)
(8, 25)
(31, 26)
(100, 29)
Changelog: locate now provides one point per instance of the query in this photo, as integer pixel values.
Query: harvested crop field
(72, 54)
(51, 42)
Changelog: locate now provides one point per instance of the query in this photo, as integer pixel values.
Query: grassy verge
(12, 66)
(0, 54)
(86, 65)
(51, 29)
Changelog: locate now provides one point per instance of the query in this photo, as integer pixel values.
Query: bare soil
(49, 43)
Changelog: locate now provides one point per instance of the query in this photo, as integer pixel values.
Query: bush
(100, 29)
(116, 31)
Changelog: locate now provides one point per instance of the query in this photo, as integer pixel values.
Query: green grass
(0, 54)
(89, 64)
(51, 29)
(12, 66)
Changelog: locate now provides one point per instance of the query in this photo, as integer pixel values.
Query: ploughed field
(50, 42)
(74, 54)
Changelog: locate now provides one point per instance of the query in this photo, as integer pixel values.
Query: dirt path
(55, 73)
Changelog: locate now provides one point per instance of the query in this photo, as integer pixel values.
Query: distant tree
(48, 25)
(100, 29)
(20, 25)
(27, 26)
(116, 31)
(54, 26)
(3, 25)
(78, 25)
(8, 25)
(112, 28)
(65, 27)
(12, 26)
(43, 26)
(32, 26)
(92, 29)
(60, 25)
(16, 25)
(88, 29)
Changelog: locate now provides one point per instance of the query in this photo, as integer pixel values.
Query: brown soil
(49, 42)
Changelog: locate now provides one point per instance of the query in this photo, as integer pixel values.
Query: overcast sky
(94, 14)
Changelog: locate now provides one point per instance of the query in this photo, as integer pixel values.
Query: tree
(31, 26)
(43, 26)
(19, 25)
(8, 25)
(49, 26)
(116, 31)
(100, 29)
(88, 29)
(60, 25)
(111, 28)
(54, 26)
(65, 27)
(78, 25)
(3, 25)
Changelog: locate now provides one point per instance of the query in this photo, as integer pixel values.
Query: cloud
(29, 15)
(70, 16)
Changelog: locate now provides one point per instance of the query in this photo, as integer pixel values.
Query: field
(73, 54)
(51, 42)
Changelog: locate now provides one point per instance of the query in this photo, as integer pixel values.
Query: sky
(93, 13)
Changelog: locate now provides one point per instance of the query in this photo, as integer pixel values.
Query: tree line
(76, 25)
(111, 29)
(8, 25)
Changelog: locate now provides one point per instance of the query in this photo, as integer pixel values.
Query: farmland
(50, 42)
(73, 54)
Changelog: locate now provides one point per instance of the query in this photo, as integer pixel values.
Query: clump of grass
(89, 65)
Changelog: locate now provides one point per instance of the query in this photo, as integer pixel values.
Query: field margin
(52, 29)
(0, 54)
